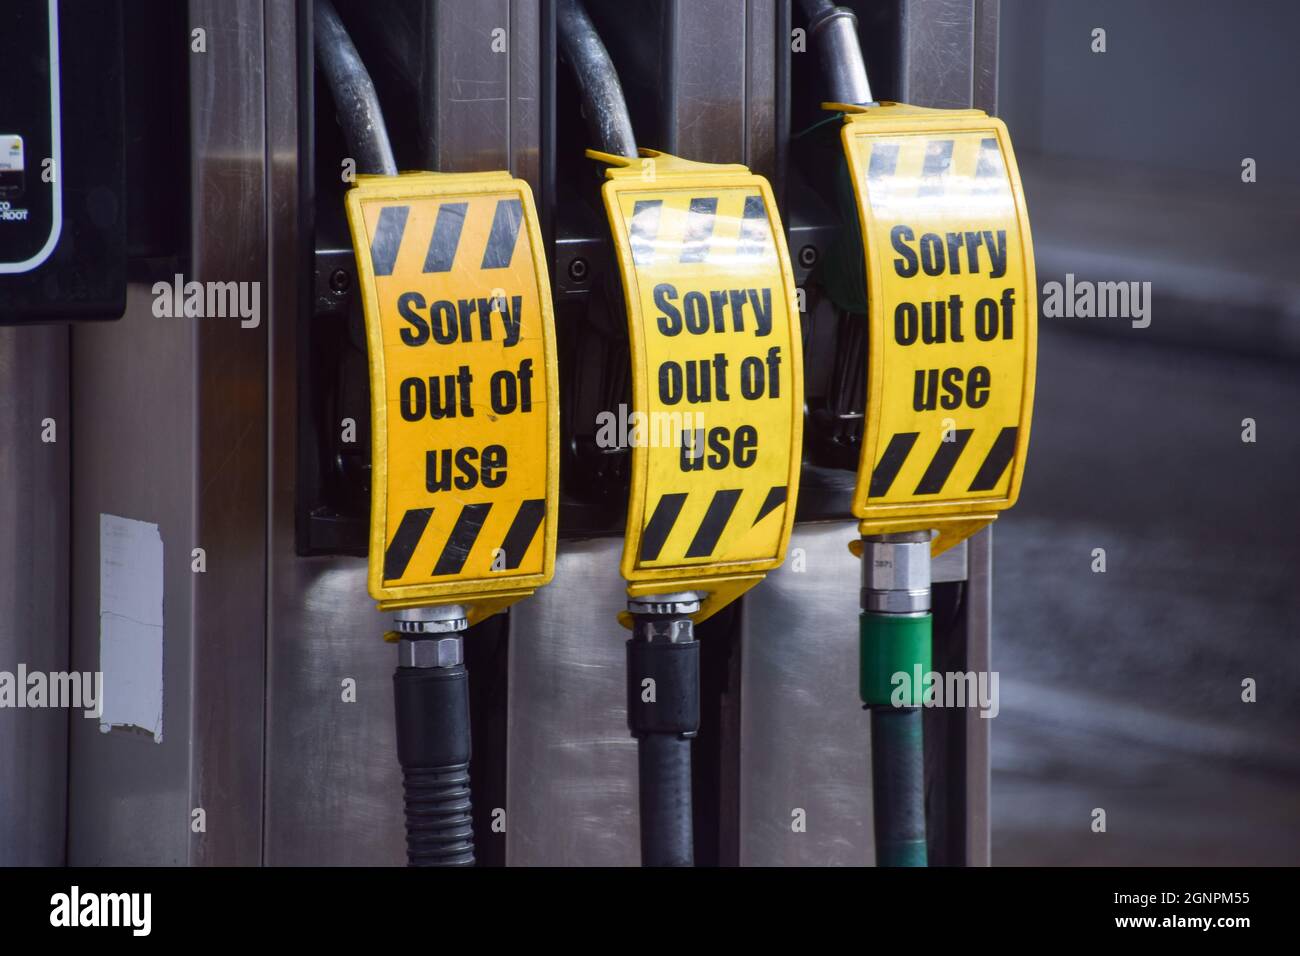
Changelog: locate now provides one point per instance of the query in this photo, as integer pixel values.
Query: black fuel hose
(602, 95)
(664, 764)
(433, 747)
(355, 99)
(663, 713)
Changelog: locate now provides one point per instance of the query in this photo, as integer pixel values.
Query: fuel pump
(713, 331)
(464, 430)
(936, 265)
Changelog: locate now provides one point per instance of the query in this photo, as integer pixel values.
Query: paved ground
(1123, 690)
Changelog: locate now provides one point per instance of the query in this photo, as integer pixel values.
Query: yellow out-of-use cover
(717, 379)
(953, 311)
(464, 421)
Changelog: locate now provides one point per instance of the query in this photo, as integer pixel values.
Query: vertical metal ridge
(35, 549)
(228, 635)
(985, 55)
(512, 7)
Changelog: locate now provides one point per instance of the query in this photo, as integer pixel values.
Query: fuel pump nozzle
(708, 513)
(834, 32)
(431, 697)
(663, 657)
(431, 683)
(930, 472)
(663, 713)
(895, 623)
(895, 634)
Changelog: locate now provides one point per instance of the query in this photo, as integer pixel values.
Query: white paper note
(131, 624)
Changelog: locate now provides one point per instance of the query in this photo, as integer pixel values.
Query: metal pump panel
(465, 435)
(717, 375)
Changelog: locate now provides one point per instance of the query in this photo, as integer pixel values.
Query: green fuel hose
(898, 786)
(895, 656)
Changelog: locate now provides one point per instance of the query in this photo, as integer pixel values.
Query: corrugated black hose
(433, 747)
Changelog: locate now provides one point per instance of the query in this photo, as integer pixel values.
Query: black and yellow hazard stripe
(934, 168)
(717, 517)
(464, 537)
(444, 241)
(698, 242)
(942, 462)
(938, 170)
(447, 227)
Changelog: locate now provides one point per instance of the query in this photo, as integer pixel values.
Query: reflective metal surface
(129, 798)
(975, 813)
(834, 33)
(896, 575)
(700, 78)
(34, 489)
(488, 112)
(766, 27)
(332, 778)
(229, 228)
(170, 417)
(431, 652)
(704, 118)
(984, 56)
(572, 767)
(948, 53)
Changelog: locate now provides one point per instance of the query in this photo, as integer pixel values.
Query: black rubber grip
(433, 747)
(671, 705)
(664, 716)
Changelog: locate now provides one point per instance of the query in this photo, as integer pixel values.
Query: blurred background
(1123, 690)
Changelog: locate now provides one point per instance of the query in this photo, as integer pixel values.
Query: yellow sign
(461, 337)
(952, 318)
(716, 375)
